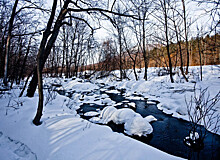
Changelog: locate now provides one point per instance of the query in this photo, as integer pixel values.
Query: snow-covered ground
(64, 135)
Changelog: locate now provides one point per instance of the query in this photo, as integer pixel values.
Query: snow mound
(123, 115)
(106, 114)
(133, 122)
(79, 86)
(138, 126)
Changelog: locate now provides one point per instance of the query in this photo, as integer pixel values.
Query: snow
(172, 96)
(132, 104)
(150, 118)
(113, 91)
(106, 114)
(194, 135)
(91, 113)
(13, 149)
(79, 85)
(108, 101)
(134, 123)
(63, 135)
(138, 126)
(123, 115)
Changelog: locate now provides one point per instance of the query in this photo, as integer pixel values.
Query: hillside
(208, 47)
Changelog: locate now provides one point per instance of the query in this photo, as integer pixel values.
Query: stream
(168, 132)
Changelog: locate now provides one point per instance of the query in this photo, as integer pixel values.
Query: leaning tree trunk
(8, 42)
(37, 118)
(44, 51)
(33, 84)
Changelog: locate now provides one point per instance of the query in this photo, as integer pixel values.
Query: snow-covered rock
(138, 126)
(123, 115)
(106, 114)
(134, 123)
(150, 118)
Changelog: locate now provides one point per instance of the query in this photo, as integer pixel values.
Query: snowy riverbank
(64, 135)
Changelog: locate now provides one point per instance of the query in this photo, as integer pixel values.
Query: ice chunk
(91, 113)
(94, 119)
(132, 105)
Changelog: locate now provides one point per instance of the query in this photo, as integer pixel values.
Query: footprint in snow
(14, 150)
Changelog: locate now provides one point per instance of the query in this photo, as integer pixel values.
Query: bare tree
(202, 112)
(164, 5)
(8, 41)
(177, 27)
(118, 24)
(132, 52)
(20, 27)
(186, 35)
(141, 28)
(49, 37)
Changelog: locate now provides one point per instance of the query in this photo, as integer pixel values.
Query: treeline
(202, 51)
(208, 48)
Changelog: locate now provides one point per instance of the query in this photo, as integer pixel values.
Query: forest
(114, 55)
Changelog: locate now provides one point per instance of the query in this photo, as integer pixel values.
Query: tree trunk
(37, 118)
(44, 51)
(186, 36)
(33, 84)
(24, 61)
(120, 54)
(180, 51)
(200, 58)
(144, 51)
(25, 84)
(167, 42)
(8, 42)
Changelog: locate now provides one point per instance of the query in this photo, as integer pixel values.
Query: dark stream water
(168, 132)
